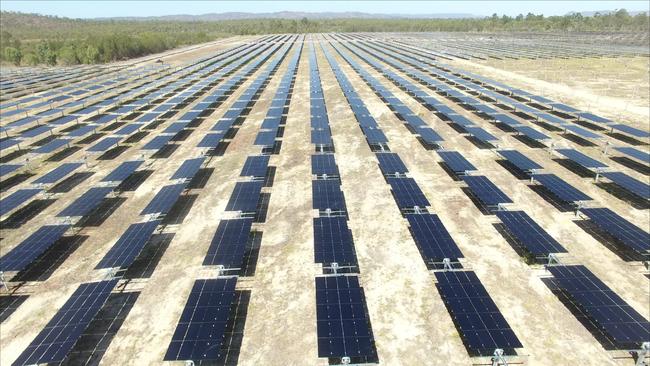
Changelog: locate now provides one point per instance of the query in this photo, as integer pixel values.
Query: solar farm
(323, 199)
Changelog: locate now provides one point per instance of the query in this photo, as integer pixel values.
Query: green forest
(31, 39)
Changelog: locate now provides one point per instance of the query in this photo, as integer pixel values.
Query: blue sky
(94, 9)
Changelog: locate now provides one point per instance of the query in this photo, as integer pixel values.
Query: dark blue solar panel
(164, 199)
(128, 129)
(82, 131)
(519, 160)
(321, 137)
(429, 135)
(635, 153)
(245, 196)
(631, 184)
(374, 135)
(8, 168)
(581, 158)
(327, 194)
(531, 133)
(333, 241)
(266, 138)
(630, 130)
(479, 321)
(593, 118)
(481, 134)
(188, 169)
(129, 245)
(581, 131)
(200, 330)
(30, 248)
(624, 325)
(123, 171)
(157, 142)
(456, 162)
(342, 326)
(390, 163)
(504, 118)
(535, 239)
(105, 144)
(407, 193)
(229, 243)
(211, 140)
(324, 164)
(58, 337)
(629, 234)
(86, 202)
(51, 146)
(10, 202)
(175, 127)
(35, 131)
(485, 190)
(560, 188)
(255, 166)
(432, 237)
(57, 173)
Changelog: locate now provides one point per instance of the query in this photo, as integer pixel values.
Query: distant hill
(295, 15)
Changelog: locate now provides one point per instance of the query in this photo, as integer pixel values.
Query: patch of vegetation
(32, 39)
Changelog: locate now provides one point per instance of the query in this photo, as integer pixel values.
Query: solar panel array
(153, 108)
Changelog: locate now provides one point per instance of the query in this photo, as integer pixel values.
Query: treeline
(30, 39)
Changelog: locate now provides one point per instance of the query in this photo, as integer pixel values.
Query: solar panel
(30, 248)
(200, 330)
(35, 131)
(479, 321)
(581, 131)
(157, 142)
(333, 241)
(327, 194)
(593, 118)
(16, 199)
(623, 230)
(535, 239)
(266, 138)
(504, 118)
(485, 190)
(481, 134)
(245, 196)
(321, 137)
(129, 245)
(432, 237)
(581, 158)
(519, 160)
(211, 140)
(428, 135)
(342, 326)
(374, 135)
(407, 193)
(624, 325)
(560, 188)
(324, 164)
(86, 202)
(128, 129)
(635, 153)
(531, 133)
(630, 130)
(164, 199)
(188, 169)
(456, 162)
(176, 127)
(255, 166)
(58, 337)
(8, 168)
(57, 173)
(123, 171)
(390, 163)
(229, 243)
(105, 144)
(51, 146)
(631, 184)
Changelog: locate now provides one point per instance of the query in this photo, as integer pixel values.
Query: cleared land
(273, 320)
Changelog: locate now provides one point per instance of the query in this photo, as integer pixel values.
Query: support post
(642, 354)
(498, 358)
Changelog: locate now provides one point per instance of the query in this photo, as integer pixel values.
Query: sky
(95, 9)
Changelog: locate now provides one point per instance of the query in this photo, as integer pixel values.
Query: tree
(91, 55)
(13, 55)
(67, 56)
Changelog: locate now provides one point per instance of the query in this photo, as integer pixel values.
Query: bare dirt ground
(613, 87)
(410, 323)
